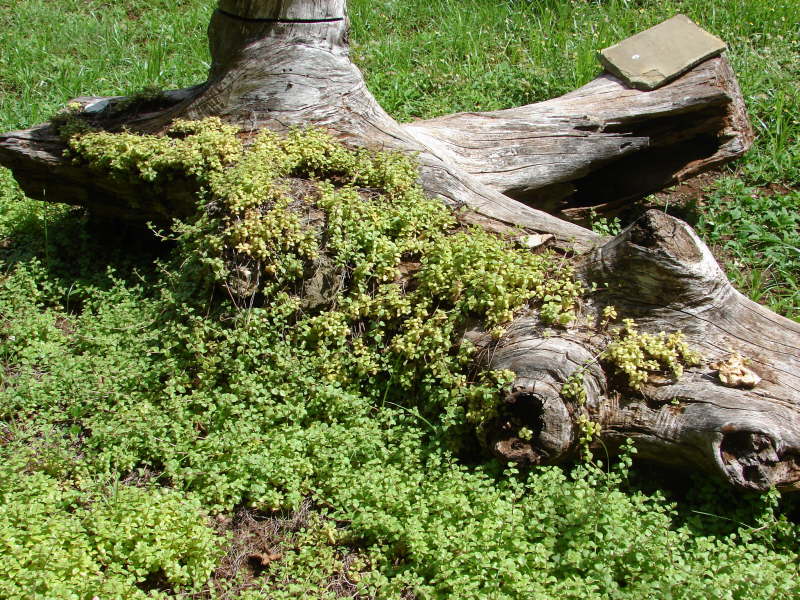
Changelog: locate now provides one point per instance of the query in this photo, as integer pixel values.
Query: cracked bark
(533, 170)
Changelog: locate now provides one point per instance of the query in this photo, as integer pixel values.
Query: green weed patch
(148, 397)
(133, 418)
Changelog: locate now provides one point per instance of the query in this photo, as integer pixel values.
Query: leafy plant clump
(86, 541)
(641, 355)
(133, 408)
(758, 233)
(405, 275)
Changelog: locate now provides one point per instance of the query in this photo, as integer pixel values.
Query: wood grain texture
(603, 143)
(665, 277)
(285, 9)
(575, 151)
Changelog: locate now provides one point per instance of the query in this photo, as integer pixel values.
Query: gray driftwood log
(279, 63)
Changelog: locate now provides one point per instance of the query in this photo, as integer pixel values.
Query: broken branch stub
(278, 64)
(666, 278)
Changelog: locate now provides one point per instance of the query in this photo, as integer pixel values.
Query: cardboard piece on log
(660, 54)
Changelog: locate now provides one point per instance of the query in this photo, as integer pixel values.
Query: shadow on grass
(78, 250)
(710, 507)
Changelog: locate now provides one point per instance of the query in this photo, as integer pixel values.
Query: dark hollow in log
(283, 63)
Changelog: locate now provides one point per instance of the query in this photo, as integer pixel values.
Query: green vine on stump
(409, 276)
(640, 355)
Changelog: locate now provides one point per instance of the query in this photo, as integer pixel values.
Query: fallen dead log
(278, 64)
(282, 64)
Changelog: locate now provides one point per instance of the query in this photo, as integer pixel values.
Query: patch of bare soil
(258, 542)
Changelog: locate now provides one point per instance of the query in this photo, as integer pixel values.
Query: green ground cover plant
(142, 405)
(757, 233)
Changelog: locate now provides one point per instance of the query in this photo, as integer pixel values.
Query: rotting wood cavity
(678, 144)
(523, 409)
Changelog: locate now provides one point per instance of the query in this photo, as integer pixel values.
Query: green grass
(128, 419)
(54, 51)
(757, 233)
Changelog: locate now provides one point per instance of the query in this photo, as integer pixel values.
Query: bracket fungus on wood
(282, 63)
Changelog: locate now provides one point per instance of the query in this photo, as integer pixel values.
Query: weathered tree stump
(281, 63)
